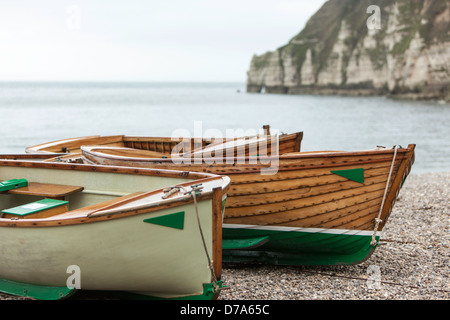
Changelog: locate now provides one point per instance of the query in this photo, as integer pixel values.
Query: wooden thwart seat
(52, 204)
(53, 191)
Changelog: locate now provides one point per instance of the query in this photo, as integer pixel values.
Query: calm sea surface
(33, 113)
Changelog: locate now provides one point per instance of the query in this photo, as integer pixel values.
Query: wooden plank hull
(306, 196)
(112, 233)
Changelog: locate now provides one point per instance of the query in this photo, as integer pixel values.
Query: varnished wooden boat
(70, 149)
(156, 233)
(316, 208)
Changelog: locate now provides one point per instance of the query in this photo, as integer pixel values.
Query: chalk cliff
(363, 47)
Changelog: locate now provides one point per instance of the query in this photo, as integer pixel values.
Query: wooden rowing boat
(155, 233)
(70, 149)
(315, 208)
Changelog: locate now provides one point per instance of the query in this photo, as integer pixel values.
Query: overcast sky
(142, 40)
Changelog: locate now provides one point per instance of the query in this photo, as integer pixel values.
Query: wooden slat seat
(53, 191)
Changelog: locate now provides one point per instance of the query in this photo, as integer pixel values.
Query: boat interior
(69, 150)
(160, 145)
(29, 192)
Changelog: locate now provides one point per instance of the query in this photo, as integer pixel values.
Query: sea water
(34, 113)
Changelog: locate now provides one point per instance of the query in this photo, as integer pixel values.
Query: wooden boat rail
(114, 207)
(248, 164)
(98, 168)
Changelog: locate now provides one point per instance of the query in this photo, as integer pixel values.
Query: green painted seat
(34, 207)
(13, 184)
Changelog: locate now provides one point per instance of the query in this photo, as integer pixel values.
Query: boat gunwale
(39, 148)
(104, 168)
(402, 154)
(26, 156)
(289, 156)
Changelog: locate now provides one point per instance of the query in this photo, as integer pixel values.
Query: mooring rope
(196, 188)
(216, 286)
(378, 218)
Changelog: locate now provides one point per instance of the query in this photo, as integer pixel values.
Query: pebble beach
(413, 264)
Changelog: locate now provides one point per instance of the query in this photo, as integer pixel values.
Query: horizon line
(121, 81)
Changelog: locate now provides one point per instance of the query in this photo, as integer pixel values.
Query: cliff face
(402, 49)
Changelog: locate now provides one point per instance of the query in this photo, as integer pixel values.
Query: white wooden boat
(156, 233)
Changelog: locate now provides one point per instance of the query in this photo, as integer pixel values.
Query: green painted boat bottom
(248, 243)
(208, 294)
(296, 246)
(34, 291)
(56, 293)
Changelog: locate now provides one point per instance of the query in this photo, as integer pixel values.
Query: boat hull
(296, 246)
(330, 191)
(120, 255)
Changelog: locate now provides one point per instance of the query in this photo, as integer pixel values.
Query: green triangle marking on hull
(173, 220)
(351, 174)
